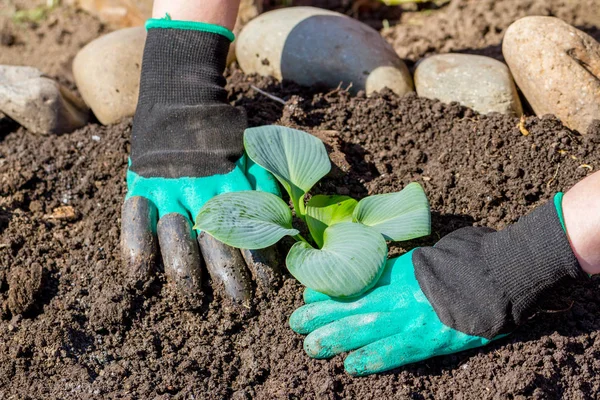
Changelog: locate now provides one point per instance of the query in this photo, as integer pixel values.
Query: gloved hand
(186, 148)
(475, 285)
(392, 325)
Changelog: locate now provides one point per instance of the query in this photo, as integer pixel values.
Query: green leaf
(248, 220)
(351, 260)
(297, 159)
(397, 216)
(323, 211)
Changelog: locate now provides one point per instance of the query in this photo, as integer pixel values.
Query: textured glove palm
(187, 195)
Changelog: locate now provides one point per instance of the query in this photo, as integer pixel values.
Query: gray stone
(107, 72)
(311, 46)
(39, 103)
(478, 82)
(557, 67)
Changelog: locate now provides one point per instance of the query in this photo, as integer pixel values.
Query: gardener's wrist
(183, 125)
(218, 12)
(581, 212)
(184, 62)
(200, 26)
(486, 283)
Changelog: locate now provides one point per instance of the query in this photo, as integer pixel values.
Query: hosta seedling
(347, 250)
(324, 211)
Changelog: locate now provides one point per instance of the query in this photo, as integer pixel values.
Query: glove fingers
(138, 239)
(181, 257)
(234, 181)
(352, 333)
(315, 315)
(226, 268)
(421, 338)
(387, 353)
(260, 179)
(312, 296)
(265, 266)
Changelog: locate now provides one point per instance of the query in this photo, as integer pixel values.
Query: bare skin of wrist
(581, 211)
(218, 12)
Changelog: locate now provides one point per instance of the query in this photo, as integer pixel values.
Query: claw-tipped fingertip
(138, 238)
(181, 257)
(312, 296)
(296, 322)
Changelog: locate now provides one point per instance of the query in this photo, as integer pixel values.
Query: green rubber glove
(187, 195)
(186, 148)
(159, 213)
(474, 286)
(391, 325)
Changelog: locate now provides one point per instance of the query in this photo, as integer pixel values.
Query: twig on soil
(551, 311)
(559, 311)
(521, 126)
(272, 97)
(553, 176)
(587, 166)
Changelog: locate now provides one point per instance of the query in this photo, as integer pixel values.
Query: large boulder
(557, 67)
(107, 73)
(478, 82)
(312, 46)
(38, 102)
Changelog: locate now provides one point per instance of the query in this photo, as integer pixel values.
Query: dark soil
(70, 329)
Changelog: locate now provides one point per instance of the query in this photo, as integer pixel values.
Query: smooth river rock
(478, 82)
(38, 102)
(311, 46)
(557, 67)
(107, 73)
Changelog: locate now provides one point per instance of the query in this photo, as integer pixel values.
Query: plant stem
(298, 202)
(299, 238)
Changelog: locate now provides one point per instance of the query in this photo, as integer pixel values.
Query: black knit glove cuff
(485, 283)
(183, 125)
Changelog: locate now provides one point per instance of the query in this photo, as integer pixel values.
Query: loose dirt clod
(23, 287)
